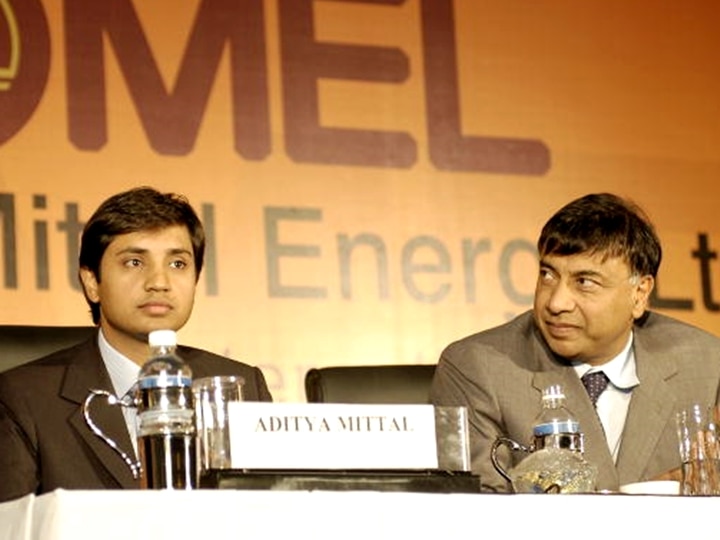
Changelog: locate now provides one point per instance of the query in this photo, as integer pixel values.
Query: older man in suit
(140, 258)
(599, 257)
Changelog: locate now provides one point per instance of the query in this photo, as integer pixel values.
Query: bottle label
(176, 420)
(561, 426)
(164, 380)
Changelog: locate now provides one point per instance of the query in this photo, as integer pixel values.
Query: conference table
(207, 514)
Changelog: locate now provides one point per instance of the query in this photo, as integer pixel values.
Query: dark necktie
(595, 383)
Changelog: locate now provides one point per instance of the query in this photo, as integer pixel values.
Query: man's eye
(178, 264)
(545, 275)
(133, 262)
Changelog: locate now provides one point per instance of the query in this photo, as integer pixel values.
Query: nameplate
(332, 436)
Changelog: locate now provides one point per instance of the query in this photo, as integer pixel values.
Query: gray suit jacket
(499, 375)
(44, 441)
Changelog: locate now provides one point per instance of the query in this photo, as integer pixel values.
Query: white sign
(332, 436)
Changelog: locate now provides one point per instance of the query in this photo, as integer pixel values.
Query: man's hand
(673, 474)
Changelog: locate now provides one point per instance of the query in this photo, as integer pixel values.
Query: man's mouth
(156, 308)
(559, 329)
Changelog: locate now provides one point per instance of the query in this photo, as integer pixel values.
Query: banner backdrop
(372, 175)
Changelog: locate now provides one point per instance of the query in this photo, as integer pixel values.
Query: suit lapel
(651, 408)
(87, 371)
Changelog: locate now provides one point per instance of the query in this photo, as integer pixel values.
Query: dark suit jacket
(44, 441)
(499, 376)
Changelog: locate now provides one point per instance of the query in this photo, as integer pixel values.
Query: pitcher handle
(135, 466)
(514, 446)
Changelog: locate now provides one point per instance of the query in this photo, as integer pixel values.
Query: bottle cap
(554, 391)
(162, 338)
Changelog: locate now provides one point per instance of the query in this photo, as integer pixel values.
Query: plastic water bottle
(556, 463)
(556, 426)
(165, 417)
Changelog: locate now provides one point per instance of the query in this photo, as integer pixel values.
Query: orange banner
(372, 175)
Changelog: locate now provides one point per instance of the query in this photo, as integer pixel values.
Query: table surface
(204, 514)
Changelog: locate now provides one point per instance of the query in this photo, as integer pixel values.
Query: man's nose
(158, 279)
(561, 298)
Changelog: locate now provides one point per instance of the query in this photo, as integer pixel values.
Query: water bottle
(165, 417)
(555, 426)
(555, 462)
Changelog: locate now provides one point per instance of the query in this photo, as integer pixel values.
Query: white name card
(332, 436)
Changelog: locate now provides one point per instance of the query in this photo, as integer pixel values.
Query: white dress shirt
(123, 374)
(612, 405)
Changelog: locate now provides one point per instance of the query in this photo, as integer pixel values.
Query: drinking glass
(212, 396)
(699, 450)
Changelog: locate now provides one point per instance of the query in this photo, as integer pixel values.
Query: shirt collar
(123, 371)
(620, 370)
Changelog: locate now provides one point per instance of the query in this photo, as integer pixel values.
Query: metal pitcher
(130, 399)
(554, 463)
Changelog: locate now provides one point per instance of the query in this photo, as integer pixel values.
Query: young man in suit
(140, 259)
(599, 258)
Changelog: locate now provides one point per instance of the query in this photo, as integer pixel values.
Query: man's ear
(641, 300)
(89, 284)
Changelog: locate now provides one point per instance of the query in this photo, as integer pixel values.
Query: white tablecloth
(318, 515)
